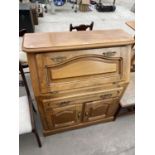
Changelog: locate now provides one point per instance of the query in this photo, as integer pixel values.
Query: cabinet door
(95, 110)
(64, 116)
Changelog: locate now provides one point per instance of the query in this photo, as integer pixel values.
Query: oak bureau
(78, 78)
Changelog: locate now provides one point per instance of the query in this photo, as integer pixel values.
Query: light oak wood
(128, 98)
(74, 84)
(82, 68)
(75, 72)
(64, 116)
(131, 24)
(66, 128)
(61, 41)
(96, 110)
(49, 103)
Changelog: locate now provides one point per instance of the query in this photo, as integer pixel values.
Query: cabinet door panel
(95, 110)
(100, 109)
(64, 116)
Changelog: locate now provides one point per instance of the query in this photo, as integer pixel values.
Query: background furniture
(22, 55)
(105, 8)
(84, 5)
(39, 1)
(40, 11)
(127, 102)
(81, 27)
(133, 8)
(79, 77)
(75, 4)
(26, 18)
(27, 122)
(34, 8)
(133, 58)
(22, 32)
(131, 24)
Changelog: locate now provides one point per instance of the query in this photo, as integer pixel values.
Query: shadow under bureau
(78, 78)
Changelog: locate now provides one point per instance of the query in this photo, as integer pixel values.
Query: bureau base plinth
(51, 132)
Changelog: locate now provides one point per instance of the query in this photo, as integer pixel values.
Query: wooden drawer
(49, 104)
(56, 58)
(81, 69)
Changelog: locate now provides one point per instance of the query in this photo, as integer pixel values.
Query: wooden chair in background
(82, 27)
(27, 119)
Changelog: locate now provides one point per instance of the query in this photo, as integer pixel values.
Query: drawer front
(78, 69)
(100, 109)
(55, 58)
(49, 104)
(64, 116)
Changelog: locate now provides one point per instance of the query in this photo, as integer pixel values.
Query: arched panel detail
(83, 66)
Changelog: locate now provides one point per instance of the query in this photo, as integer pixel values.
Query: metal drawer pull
(64, 103)
(79, 115)
(106, 96)
(54, 92)
(109, 54)
(118, 91)
(86, 114)
(58, 59)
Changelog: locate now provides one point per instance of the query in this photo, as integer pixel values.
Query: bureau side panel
(36, 86)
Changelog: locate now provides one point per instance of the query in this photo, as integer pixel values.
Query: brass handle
(109, 54)
(106, 96)
(86, 113)
(79, 115)
(54, 92)
(64, 103)
(58, 59)
(118, 91)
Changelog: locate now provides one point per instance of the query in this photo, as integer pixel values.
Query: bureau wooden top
(59, 41)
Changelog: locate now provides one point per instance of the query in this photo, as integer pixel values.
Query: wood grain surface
(60, 41)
